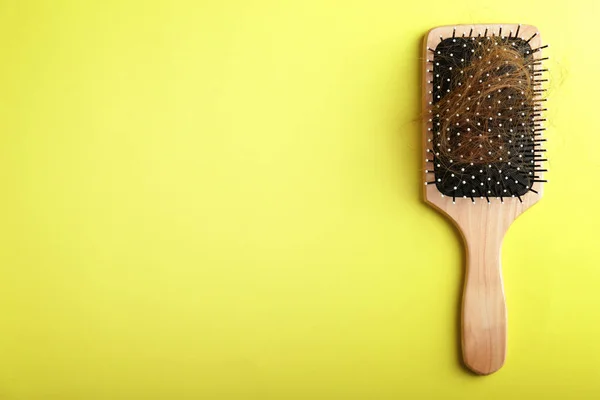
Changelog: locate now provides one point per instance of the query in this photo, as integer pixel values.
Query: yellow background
(222, 200)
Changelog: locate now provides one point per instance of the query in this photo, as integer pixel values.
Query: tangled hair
(487, 106)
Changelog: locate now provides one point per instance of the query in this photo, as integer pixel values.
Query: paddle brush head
(485, 115)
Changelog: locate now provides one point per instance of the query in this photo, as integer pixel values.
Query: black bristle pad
(502, 178)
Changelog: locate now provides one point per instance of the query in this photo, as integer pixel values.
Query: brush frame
(481, 224)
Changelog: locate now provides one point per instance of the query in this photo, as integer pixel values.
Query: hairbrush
(483, 99)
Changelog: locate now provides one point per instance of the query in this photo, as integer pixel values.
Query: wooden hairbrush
(482, 135)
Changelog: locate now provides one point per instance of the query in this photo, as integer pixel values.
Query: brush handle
(483, 308)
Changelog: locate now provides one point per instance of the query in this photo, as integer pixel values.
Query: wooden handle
(484, 308)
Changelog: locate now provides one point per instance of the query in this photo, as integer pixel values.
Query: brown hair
(489, 105)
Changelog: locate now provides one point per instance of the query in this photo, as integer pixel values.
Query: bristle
(532, 36)
(539, 48)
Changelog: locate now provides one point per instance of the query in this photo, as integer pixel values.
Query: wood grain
(482, 225)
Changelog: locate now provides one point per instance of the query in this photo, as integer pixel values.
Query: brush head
(484, 114)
